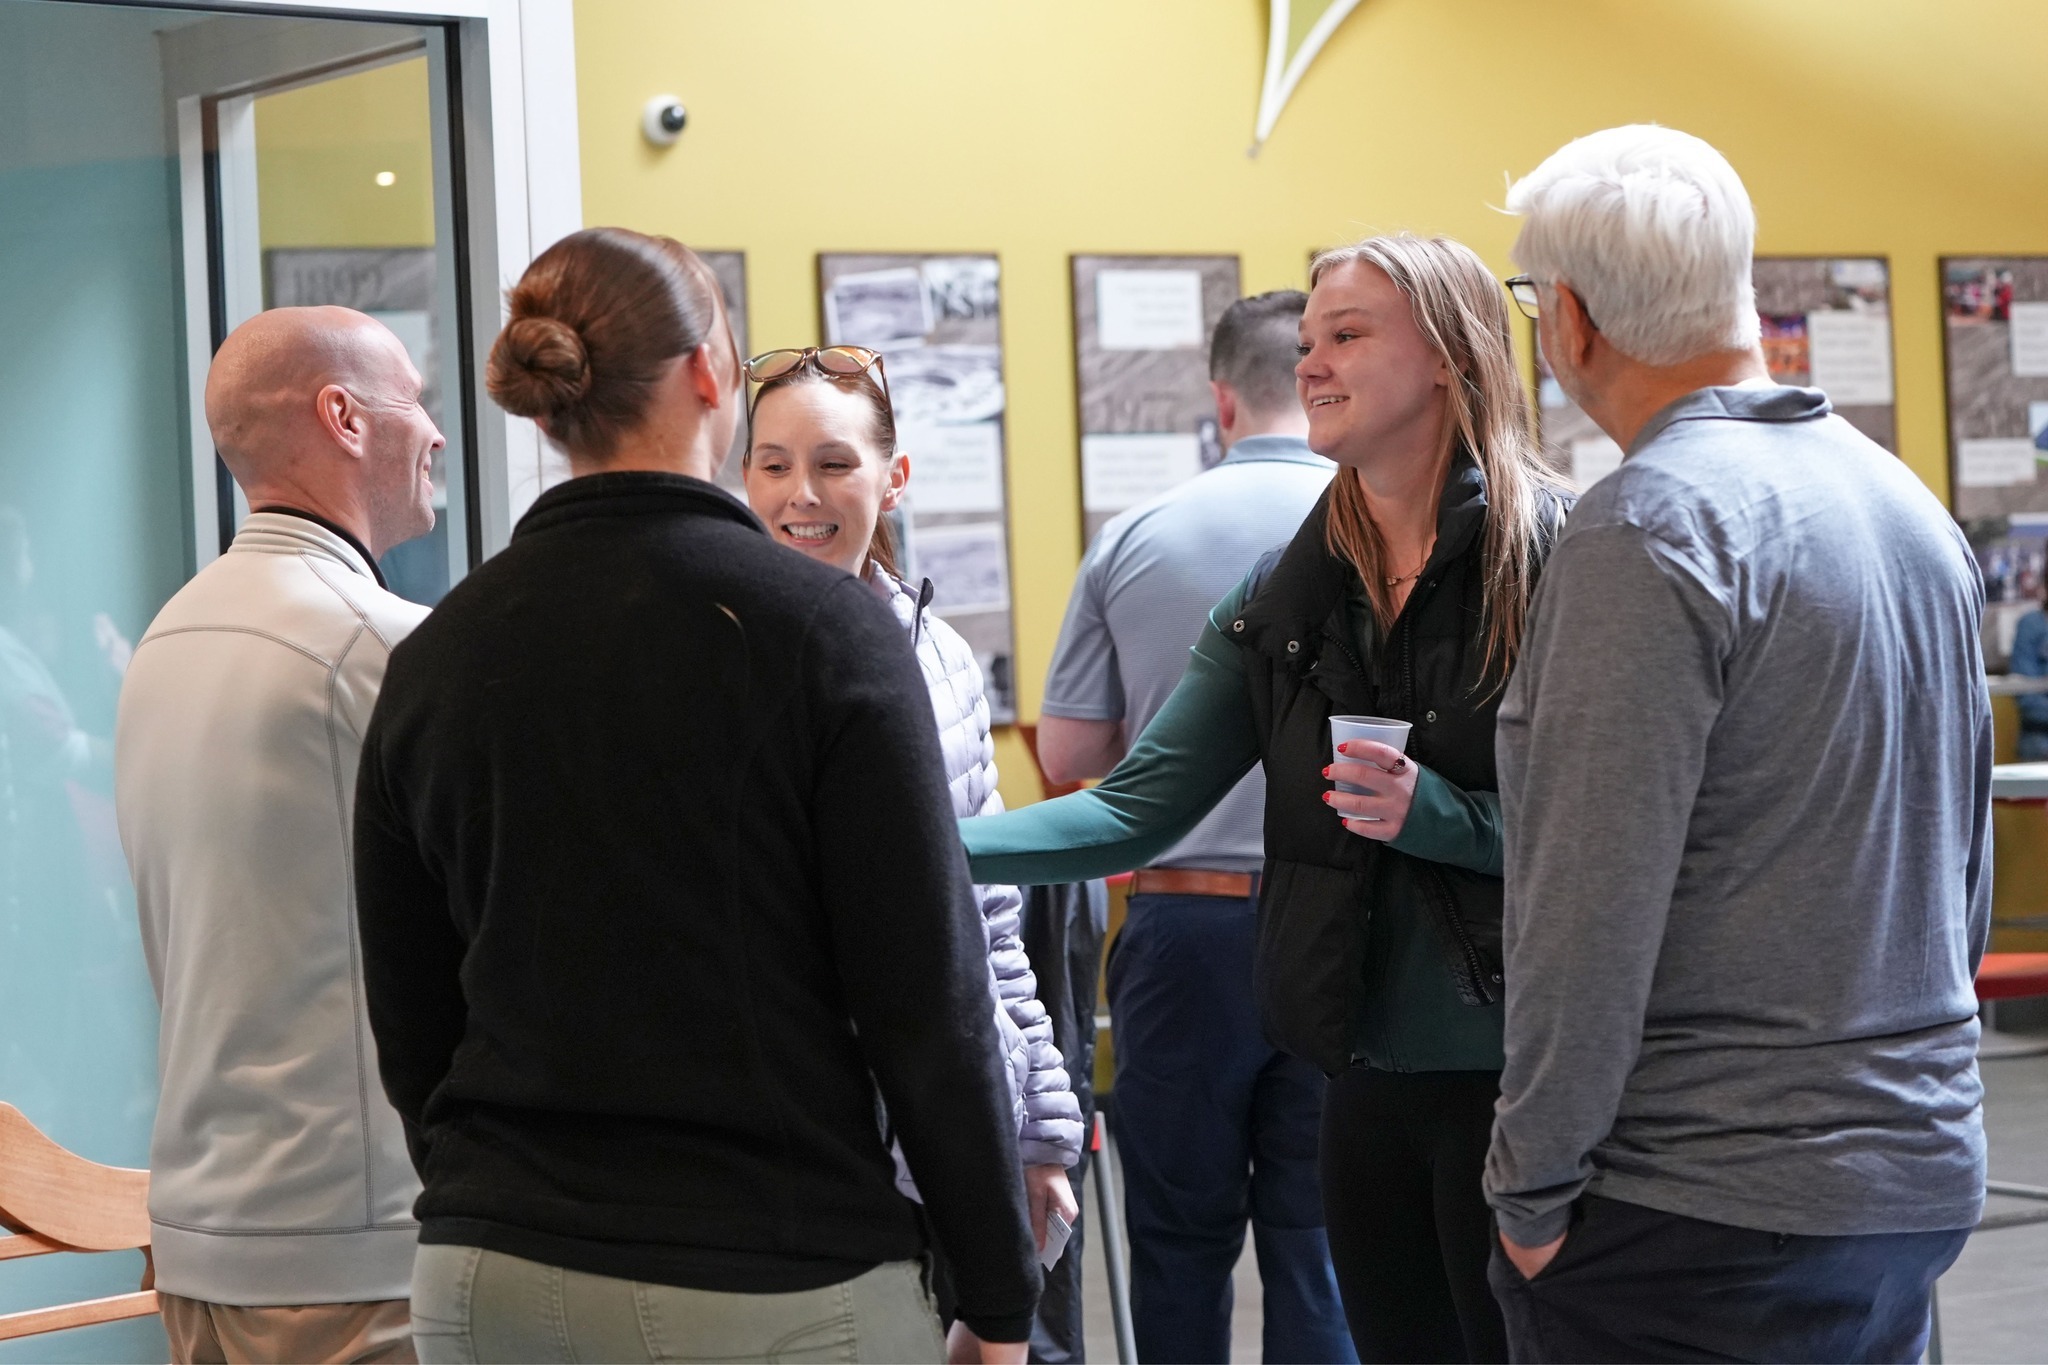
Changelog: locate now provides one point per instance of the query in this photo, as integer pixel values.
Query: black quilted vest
(1322, 884)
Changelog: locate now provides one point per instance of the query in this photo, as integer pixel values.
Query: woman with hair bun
(640, 963)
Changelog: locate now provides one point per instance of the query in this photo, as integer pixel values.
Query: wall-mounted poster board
(1995, 345)
(1826, 324)
(937, 322)
(731, 269)
(1141, 374)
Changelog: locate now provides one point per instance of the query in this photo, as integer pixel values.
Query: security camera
(662, 119)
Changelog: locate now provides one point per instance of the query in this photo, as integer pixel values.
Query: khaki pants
(338, 1333)
(470, 1305)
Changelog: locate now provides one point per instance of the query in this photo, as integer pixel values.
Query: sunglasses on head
(832, 362)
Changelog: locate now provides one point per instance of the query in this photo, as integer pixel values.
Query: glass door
(167, 173)
(328, 175)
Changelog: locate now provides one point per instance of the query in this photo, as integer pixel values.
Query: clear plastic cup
(1343, 729)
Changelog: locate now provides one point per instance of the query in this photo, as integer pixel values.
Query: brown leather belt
(1193, 881)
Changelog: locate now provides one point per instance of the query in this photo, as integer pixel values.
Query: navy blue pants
(1634, 1284)
(1215, 1128)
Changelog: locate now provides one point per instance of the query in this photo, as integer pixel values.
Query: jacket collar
(1736, 402)
(633, 492)
(909, 604)
(362, 550)
(1307, 585)
(285, 529)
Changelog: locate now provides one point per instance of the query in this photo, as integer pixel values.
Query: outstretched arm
(1194, 751)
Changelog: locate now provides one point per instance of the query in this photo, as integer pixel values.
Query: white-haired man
(281, 1192)
(1745, 772)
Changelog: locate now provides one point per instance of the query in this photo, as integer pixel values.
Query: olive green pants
(471, 1305)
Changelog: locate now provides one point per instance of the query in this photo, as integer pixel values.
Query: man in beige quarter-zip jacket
(281, 1193)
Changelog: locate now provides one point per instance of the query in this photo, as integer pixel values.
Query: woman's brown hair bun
(537, 367)
(595, 321)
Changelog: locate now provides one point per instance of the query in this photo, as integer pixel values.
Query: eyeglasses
(833, 362)
(1523, 291)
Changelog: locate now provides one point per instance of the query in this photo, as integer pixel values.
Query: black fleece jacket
(658, 886)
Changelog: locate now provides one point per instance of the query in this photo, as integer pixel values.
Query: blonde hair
(1461, 310)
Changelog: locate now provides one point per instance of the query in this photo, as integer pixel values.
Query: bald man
(281, 1193)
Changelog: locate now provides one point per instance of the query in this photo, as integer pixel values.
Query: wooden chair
(53, 1200)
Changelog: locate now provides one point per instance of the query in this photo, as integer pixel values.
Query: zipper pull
(924, 599)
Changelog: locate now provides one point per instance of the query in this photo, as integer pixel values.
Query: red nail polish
(1326, 772)
(1326, 798)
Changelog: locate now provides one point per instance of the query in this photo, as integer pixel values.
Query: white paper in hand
(1057, 1231)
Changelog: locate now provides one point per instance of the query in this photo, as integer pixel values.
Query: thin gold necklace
(1397, 582)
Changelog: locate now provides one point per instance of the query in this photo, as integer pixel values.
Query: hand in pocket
(1530, 1262)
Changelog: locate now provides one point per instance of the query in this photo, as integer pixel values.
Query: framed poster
(1826, 324)
(731, 269)
(937, 320)
(1994, 324)
(1141, 374)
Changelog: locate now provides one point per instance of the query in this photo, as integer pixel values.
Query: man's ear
(1226, 404)
(1572, 326)
(341, 417)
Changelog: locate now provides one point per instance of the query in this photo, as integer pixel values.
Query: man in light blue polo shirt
(1214, 1125)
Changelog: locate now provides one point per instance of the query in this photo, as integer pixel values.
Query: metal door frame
(504, 93)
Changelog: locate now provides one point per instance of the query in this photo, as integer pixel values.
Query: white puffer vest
(1048, 1115)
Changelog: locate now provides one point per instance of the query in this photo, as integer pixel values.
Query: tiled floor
(1994, 1302)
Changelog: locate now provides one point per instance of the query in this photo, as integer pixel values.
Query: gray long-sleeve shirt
(1745, 772)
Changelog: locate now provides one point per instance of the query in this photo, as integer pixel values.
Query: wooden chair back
(53, 1200)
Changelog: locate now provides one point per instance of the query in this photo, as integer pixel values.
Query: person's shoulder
(1661, 491)
(835, 614)
(301, 600)
(1264, 476)
(1228, 491)
(386, 615)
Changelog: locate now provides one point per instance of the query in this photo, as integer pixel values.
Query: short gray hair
(1653, 231)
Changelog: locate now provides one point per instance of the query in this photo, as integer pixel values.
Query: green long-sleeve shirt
(1202, 741)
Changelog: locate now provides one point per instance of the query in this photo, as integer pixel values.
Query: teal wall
(91, 460)
(93, 524)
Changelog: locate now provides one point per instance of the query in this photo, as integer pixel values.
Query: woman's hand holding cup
(1375, 780)
(1384, 783)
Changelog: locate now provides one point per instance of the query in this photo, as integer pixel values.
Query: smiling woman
(1398, 325)
(822, 468)
(1401, 596)
(823, 471)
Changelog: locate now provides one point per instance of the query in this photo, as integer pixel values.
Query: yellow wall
(318, 152)
(1900, 127)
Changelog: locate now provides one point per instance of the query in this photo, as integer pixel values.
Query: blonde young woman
(1404, 596)
(822, 472)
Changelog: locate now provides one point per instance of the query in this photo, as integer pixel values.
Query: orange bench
(2012, 976)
